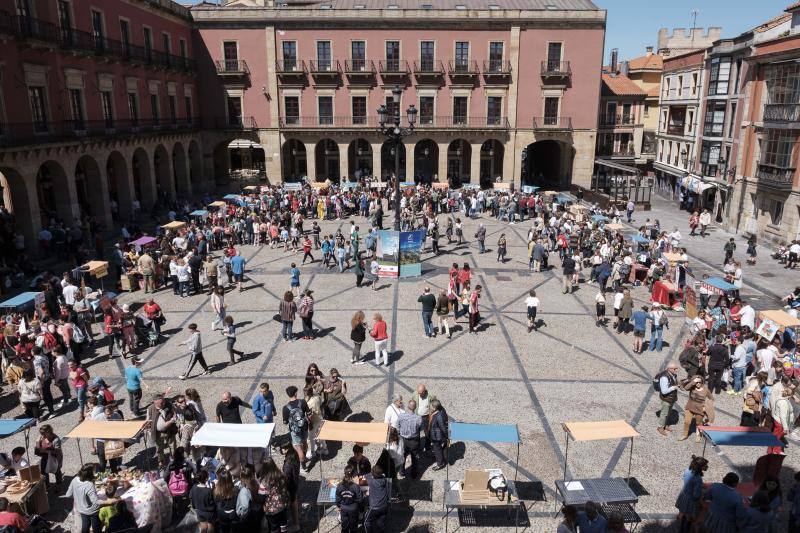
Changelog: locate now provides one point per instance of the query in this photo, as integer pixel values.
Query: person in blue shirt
(639, 318)
(237, 267)
(264, 405)
(689, 502)
(727, 508)
(590, 520)
(294, 282)
(133, 382)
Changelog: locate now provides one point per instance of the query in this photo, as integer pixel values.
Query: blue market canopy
(484, 432)
(718, 285)
(12, 427)
(530, 188)
(563, 198)
(20, 300)
(231, 197)
(199, 213)
(639, 239)
(599, 218)
(739, 436)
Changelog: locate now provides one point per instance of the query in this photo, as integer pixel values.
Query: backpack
(683, 358)
(108, 395)
(178, 486)
(657, 381)
(297, 420)
(50, 341)
(77, 334)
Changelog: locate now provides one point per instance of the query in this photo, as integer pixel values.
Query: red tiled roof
(621, 85)
(793, 7)
(650, 61)
(654, 92)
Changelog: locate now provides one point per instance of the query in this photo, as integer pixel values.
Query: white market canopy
(234, 435)
(244, 143)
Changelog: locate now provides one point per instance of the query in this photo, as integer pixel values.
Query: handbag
(51, 467)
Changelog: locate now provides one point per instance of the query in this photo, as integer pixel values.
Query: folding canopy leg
(80, 454)
(28, 444)
(630, 462)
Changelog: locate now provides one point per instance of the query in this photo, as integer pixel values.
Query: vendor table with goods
(665, 293)
(461, 496)
(638, 273)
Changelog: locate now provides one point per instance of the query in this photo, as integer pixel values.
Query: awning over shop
(484, 432)
(102, 429)
(372, 432)
(669, 170)
(234, 435)
(617, 166)
(243, 143)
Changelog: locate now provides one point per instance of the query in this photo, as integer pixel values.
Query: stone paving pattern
(568, 370)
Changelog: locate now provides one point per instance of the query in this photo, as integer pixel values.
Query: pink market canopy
(143, 241)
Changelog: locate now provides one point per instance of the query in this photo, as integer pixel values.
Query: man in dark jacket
(438, 433)
(690, 360)
(196, 265)
(668, 394)
(480, 235)
(568, 265)
(375, 519)
(718, 360)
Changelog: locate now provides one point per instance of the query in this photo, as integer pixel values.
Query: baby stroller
(145, 332)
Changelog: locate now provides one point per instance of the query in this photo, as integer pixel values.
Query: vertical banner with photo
(690, 298)
(388, 253)
(410, 252)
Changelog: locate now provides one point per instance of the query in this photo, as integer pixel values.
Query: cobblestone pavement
(567, 370)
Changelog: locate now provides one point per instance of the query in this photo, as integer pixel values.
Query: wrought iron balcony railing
(496, 67)
(233, 67)
(552, 123)
(462, 67)
(782, 113)
(559, 69)
(776, 176)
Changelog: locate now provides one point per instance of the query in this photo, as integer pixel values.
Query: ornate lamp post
(391, 127)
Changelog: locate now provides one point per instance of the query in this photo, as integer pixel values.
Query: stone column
(475, 163)
(376, 160)
(311, 161)
(513, 57)
(272, 78)
(410, 171)
(344, 161)
(443, 161)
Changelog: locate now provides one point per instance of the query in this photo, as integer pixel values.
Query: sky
(633, 24)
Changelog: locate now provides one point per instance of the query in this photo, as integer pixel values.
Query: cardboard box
(475, 487)
(30, 473)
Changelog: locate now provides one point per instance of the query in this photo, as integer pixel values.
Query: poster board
(767, 329)
(440, 185)
(387, 253)
(411, 252)
(690, 299)
(502, 186)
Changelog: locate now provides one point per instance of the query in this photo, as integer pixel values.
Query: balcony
(359, 70)
(424, 122)
(23, 133)
(462, 69)
(394, 69)
(611, 121)
(611, 151)
(496, 71)
(235, 123)
(776, 177)
(429, 70)
(236, 68)
(291, 71)
(556, 71)
(325, 71)
(782, 113)
(552, 123)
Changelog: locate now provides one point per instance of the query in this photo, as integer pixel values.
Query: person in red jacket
(10, 518)
(379, 333)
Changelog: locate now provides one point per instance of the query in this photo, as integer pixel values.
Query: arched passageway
(426, 161)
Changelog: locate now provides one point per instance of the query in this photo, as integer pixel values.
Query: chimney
(624, 68)
(614, 55)
(649, 50)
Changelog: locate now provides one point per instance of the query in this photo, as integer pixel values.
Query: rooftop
(526, 5)
(620, 85)
(649, 61)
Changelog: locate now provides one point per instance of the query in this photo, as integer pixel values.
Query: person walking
(438, 432)
(134, 384)
(474, 311)
(375, 517)
(409, 425)
(625, 312)
(705, 220)
(501, 248)
(695, 409)
(147, 268)
(718, 360)
(428, 302)
(689, 502)
(480, 236)
(729, 248)
(629, 210)
(229, 331)
(532, 305)
(306, 312)
(348, 500)
(218, 305)
(358, 334)
(211, 269)
(568, 270)
(639, 318)
(442, 312)
(381, 336)
(237, 267)
(600, 309)
(195, 344)
(659, 321)
(287, 309)
(668, 394)
(295, 416)
(307, 250)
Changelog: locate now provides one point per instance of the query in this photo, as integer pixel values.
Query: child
(229, 330)
(294, 282)
(532, 303)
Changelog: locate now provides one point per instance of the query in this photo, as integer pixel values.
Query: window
(680, 86)
(166, 42)
(732, 121)
(460, 109)
(646, 111)
(677, 120)
(291, 110)
(494, 110)
(695, 85)
(393, 55)
(426, 55)
(391, 108)
(97, 30)
(667, 86)
(462, 56)
(325, 106)
(359, 109)
(107, 107)
(24, 8)
(230, 56)
(234, 105)
(133, 109)
(358, 55)
(553, 57)
(715, 119)
(65, 21)
(289, 49)
(496, 56)
(324, 62)
(783, 83)
(187, 109)
(627, 117)
(611, 113)
(148, 43)
(719, 76)
(154, 111)
(36, 98)
(690, 121)
(551, 111)
(777, 148)
(709, 158)
(125, 36)
(738, 76)
(426, 109)
(775, 208)
(182, 48)
(76, 109)
(173, 108)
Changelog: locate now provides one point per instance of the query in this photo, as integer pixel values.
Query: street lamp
(391, 127)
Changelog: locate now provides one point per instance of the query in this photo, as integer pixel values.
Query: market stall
(217, 205)
(720, 287)
(25, 490)
(9, 427)
(599, 219)
(358, 432)
(778, 323)
(612, 493)
(614, 227)
(487, 488)
(665, 293)
(116, 431)
(672, 258)
(175, 225)
(199, 213)
(531, 189)
(143, 242)
(25, 301)
(234, 435)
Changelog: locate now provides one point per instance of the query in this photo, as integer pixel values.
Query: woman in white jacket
(783, 415)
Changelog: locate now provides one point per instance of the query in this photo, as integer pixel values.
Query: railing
(462, 67)
(607, 151)
(290, 66)
(324, 66)
(617, 120)
(21, 133)
(235, 123)
(552, 123)
(28, 28)
(232, 66)
(496, 67)
(359, 66)
(423, 122)
(782, 113)
(775, 176)
(393, 66)
(560, 69)
(428, 66)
